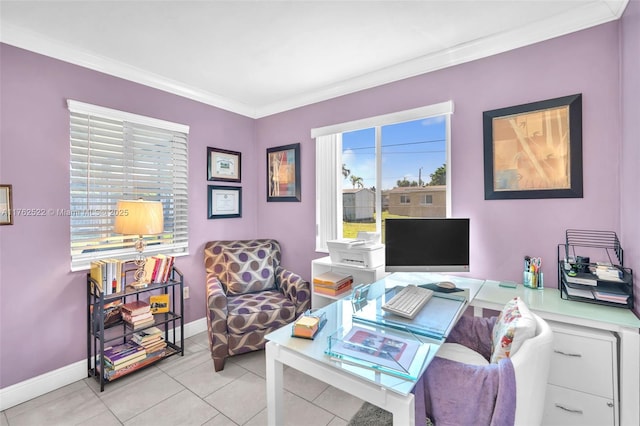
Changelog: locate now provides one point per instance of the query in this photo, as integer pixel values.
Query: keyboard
(408, 301)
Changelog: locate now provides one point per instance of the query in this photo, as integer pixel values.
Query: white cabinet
(583, 381)
(360, 276)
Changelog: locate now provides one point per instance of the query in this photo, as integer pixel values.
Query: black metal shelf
(586, 286)
(171, 322)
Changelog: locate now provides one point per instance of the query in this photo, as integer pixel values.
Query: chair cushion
(514, 325)
(461, 353)
(249, 270)
(258, 311)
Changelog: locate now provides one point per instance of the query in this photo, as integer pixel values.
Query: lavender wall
(629, 171)
(503, 231)
(42, 304)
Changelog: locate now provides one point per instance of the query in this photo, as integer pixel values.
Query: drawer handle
(566, 354)
(568, 409)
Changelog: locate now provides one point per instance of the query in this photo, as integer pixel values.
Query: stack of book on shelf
(309, 324)
(151, 340)
(137, 314)
(157, 269)
(119, 357)
(332, 283)
(108, 275)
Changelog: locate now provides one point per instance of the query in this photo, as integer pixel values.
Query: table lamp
(139, 217)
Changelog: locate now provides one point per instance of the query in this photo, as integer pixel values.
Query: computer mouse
(447, 284)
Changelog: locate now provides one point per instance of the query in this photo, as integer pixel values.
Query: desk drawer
(584, 361)
(566, 407)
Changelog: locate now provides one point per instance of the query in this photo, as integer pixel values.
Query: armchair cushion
(249, 270)
(514, 325)
(259, 311)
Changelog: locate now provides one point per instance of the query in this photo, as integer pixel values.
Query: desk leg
(403, 409)
(629, 377)
(274, 386)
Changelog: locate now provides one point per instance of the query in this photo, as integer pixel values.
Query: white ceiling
(258, 58)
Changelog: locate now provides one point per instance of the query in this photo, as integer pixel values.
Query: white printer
(364, 251)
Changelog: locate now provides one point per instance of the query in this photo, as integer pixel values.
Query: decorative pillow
(514, 325)
(249, 270)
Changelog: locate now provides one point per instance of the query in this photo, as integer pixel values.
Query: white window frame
(405, 199)
(138, 157)
(329, 165)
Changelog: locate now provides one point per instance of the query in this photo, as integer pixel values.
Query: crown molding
(589, 15)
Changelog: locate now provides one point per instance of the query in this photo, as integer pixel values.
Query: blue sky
(406, 147)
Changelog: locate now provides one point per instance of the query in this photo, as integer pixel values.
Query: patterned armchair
(248, 295)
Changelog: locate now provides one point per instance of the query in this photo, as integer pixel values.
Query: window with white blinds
(121, 156)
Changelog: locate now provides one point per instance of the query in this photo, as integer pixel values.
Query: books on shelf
(150, 339)
(157, 269)
(112, 374)
(108, 275)
(121, 353)
(137, 314)
(332, 283)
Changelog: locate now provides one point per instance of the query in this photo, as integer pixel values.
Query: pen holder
(533, 280)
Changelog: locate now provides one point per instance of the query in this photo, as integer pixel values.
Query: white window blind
(121, 156)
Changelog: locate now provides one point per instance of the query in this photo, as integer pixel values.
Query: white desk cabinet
(583, 382)
(597, 381)
(360, 276)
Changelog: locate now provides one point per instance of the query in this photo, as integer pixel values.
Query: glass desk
(387, 391)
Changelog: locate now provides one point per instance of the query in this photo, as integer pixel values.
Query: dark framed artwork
(534, 150)
(283, 173)
(224, 201)
(6, 205)
(223, 165)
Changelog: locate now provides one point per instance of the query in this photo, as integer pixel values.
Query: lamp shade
(139, 217)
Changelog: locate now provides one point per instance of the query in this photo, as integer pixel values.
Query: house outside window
(401, 159)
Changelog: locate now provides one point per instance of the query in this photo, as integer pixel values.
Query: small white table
(386, 391)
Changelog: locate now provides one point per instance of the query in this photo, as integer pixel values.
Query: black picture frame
(224, 202)
(283, 173)
(224, 165)
(6, 205)
(534, 150)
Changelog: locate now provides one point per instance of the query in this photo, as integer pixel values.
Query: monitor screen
(427, 245)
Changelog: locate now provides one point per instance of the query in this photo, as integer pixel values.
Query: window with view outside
(413, 157)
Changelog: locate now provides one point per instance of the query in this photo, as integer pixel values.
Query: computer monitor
(427, 245)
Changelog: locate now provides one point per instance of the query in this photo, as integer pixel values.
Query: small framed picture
(6, 212)
(283, 173)
(223, 165)
(224, 201)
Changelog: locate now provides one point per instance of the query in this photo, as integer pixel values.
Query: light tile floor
(186, 391)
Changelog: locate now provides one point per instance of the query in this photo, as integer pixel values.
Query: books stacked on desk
(107, 275)
(332, 283)
(137, 314)
(309, 324)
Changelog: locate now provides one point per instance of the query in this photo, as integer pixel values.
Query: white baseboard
(52, 380)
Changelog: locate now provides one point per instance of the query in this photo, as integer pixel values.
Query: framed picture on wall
(223, 165)
(6, 206)
(534, 150)
(224, 201)
(283, 173)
